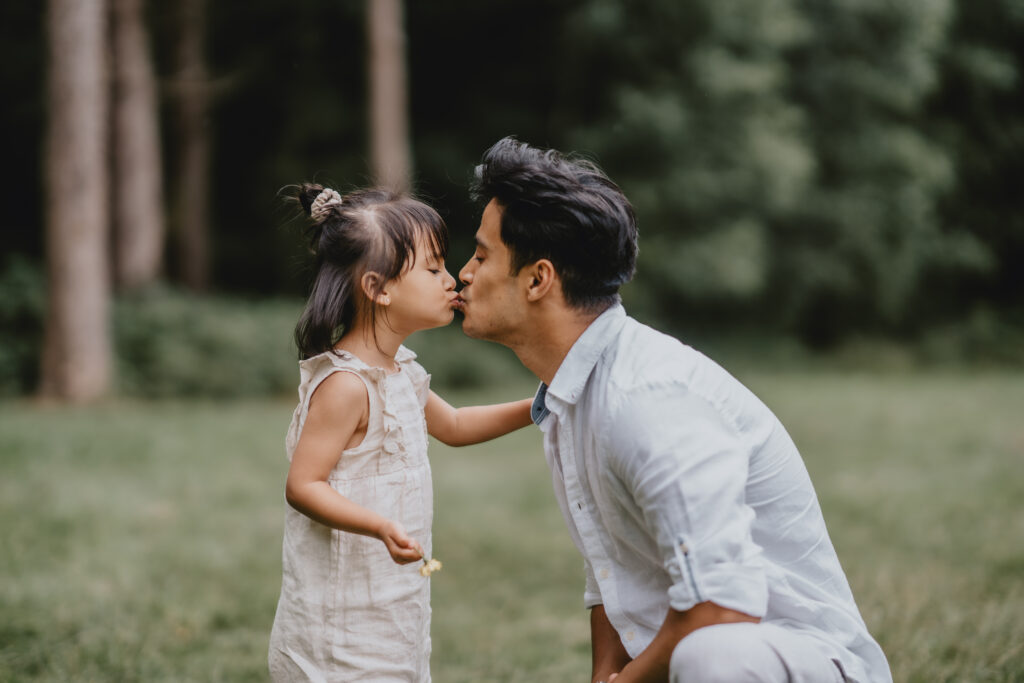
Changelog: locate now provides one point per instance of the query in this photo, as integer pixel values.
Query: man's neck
(543, 350)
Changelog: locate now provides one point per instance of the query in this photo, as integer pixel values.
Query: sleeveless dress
(347, 611)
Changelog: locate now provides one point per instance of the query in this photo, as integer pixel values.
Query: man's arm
(608, 655)
(652, 664)
(688, 478)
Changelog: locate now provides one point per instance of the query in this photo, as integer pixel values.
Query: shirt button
(630, 634)
(604, 573)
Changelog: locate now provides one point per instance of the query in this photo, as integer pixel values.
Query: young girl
(354, 605)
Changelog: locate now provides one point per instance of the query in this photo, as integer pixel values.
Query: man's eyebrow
(480, 243)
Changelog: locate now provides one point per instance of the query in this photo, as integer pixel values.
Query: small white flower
(430, 566)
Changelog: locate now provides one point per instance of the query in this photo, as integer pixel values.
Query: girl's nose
(449, 280)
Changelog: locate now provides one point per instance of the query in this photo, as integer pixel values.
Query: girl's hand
(402, 548)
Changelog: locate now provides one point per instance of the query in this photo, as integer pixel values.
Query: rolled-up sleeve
(685, 468)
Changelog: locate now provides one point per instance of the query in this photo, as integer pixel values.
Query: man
(706, 554)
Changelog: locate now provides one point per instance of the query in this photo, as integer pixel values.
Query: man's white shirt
(679, 486)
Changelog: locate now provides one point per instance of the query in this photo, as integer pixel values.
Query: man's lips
(458, 302)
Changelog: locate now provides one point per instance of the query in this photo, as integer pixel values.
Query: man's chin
(468, 328)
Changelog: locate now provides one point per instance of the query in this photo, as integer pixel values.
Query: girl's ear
(541, 277)
(369, 282)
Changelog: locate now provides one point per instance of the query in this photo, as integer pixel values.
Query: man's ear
(541, 277)
(369, 283)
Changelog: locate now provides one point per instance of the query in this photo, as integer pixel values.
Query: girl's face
(422, 297)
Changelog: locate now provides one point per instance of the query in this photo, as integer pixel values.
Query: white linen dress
(347, 611)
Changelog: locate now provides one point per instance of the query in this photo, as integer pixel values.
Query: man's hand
(653, 663)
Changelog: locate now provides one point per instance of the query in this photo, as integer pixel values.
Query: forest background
(829, 200)
(807, 175)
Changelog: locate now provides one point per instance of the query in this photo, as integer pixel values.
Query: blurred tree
(836, 167)
(858, 250)
(192, 145)
(693, 121)
(776, 154)
(137, 181)
(388, 110)
(76, 358)
(977, 114)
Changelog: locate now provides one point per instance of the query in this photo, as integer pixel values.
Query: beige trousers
(751, 653)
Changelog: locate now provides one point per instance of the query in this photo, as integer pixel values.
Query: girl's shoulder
(335, 371)
(339, 392)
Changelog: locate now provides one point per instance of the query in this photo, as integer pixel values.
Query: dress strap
(315, 370)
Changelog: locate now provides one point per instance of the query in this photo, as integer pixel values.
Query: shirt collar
(571, 377)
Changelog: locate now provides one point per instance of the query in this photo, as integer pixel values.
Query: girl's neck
(375, 350)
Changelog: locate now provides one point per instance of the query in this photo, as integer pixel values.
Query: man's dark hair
(565, 210)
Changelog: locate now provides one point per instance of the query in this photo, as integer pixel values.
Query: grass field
(141, 541)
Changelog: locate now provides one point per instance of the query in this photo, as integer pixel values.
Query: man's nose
(466, 274)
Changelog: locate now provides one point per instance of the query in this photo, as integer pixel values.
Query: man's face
(493, 301)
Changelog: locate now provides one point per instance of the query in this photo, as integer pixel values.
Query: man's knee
(726, 653)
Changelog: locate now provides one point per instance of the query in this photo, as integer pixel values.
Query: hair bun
(321, 207)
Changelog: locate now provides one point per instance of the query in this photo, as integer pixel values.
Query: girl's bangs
(429, 226)
(436, 238)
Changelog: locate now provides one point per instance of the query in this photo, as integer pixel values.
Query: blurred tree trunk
(137, 180)
(389, 115)
(191, 203)
(76, 359)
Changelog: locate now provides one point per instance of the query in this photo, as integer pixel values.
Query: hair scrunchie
(321, 207)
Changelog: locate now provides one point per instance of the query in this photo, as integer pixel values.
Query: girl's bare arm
(473, 424)
(337, 417)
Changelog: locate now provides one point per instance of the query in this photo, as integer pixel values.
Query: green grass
(141, 541)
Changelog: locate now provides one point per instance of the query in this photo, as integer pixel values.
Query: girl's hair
(368, 231)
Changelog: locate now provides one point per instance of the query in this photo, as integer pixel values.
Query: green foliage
(174, 344)
(977, 115)
(699, 134)
(142, 540)
(22, 307)
(834, 169)
(776, 157)
(870, 227)
(984, 339)
(455, 361)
